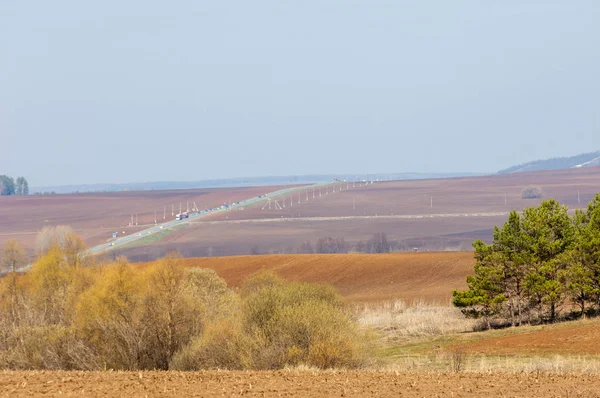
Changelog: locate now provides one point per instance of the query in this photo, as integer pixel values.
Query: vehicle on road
(181, 216)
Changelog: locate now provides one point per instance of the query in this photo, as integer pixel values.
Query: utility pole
(165, 213)
(431, 205)
(136, 219)
(154, 217)
(179, 207)
(172, 209)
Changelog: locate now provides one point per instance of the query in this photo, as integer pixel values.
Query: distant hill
(583, 160)
(242, 182)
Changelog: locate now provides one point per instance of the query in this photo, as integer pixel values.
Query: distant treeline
(378, 243)
(8, 186)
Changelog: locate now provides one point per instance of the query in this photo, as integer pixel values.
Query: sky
(142, 90)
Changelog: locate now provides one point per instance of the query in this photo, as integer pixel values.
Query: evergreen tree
(485, 294)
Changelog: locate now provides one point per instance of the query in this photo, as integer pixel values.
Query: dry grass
(396, 319)
(447, 362)
(429, 337)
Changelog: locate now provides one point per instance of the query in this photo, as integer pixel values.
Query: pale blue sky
(123, 91)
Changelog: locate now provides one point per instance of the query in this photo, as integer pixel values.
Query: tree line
(377, 243)
(542, 266)
(8, 186)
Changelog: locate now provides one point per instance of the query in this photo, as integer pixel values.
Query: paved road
(119, 242)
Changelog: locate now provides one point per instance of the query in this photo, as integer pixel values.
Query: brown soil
(286, 235)
(574, 338)
(358, 277)
(295, 383)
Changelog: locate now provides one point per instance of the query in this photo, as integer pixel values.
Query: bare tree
(306, 248)
(52, 236)
(331, 245)
(378, 243)
(360, 247)
(13, 255)
(13, 258)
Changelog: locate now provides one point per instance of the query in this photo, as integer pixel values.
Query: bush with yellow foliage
(67, 313)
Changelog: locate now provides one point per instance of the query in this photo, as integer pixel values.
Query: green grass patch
(154, 237)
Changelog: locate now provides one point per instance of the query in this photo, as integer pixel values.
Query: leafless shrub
(531, 192)
(457, 360)
(329, 245)
(51, 236)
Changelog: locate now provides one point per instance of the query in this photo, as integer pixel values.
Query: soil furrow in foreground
(295, 383)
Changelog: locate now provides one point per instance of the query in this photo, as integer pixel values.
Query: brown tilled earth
(224, 238)
(294, 384)
(358, 277)
(573, 338)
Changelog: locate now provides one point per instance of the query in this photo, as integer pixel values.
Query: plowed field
(494, 193)
(573, 338)
(358, 277)
(295, 384)
(95, 216)
(445, 214)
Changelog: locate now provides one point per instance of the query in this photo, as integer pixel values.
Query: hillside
(583, 160)
(358, 277)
